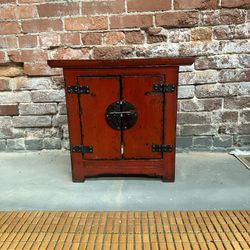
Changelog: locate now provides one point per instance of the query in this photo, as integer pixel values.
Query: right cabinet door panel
(148, 130)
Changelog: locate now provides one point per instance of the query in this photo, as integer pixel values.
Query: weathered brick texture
(86, 23)
(195, 4)
(177, 19)
(43, 25)
(235, 4)
(214, 93)
(103, 7)
(9, 109)
(7, 28)
(142, 5)
(58, 9)
(131, 21)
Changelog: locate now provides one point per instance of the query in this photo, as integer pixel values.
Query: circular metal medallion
(121, 115)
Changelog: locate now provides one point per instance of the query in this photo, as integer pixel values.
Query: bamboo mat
(132, 230)
(245, 159)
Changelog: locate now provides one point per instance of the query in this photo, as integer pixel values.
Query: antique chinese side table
(122, 115)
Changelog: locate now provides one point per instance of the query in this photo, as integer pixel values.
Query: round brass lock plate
(121, 115)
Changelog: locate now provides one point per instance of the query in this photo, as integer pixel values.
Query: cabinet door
(148, 130)
(95, 131)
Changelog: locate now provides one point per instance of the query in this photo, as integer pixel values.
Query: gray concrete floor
(42, 181)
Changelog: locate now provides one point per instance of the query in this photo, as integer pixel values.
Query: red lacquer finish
(149, 128)
(124, 151)
(95, 131)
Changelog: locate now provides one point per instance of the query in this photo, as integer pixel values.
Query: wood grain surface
(130, 230)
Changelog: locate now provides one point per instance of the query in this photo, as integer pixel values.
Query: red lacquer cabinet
(122, 115)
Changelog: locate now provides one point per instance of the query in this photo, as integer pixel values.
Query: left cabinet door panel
(106, 142)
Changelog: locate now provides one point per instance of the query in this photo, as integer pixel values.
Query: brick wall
(214, 94)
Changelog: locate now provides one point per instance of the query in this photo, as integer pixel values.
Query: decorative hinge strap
(78, 89)
(160, 87)
(81, 149)
(162, 148)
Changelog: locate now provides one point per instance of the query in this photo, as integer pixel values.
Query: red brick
(15, 55)
(8, 43)
(27, 41)
(113, 38)
(154, 35)
(23, 12)
(48, 40)
(235, 4)
(7, 13)
(4, 84)
(154, 30)
(156, 38)
(177, 19)
(103, 7)
(134, 37)
(11, 109)
(68, 53)
(34, 56)
(195, 4)
(131, 21)
(222, 17)
(20, 12)
(86, 23)
(41, 25)
(28, 56)
(9, 28)
(148, 5)
(40, 69)
(112, 52)
(7, 1)
(58, 9)
(30, 1)
(92, 38)
(70, 39)
(2, 57)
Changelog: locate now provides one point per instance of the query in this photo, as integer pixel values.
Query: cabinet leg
(164, 179)
(167, 179)
(78, 179)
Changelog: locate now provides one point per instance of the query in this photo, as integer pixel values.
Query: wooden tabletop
(149, 62)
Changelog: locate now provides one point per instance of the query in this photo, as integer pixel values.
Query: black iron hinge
(160, 87)
(162, 148)
(78, 89)
(81, 149)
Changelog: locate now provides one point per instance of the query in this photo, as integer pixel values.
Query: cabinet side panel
(74, 125)
(170, 123)
(148, 129)
(95, 130)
